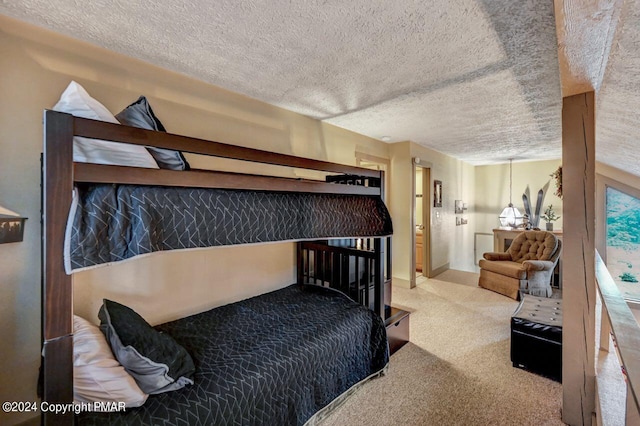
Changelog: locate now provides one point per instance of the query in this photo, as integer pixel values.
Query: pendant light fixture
(510, 216)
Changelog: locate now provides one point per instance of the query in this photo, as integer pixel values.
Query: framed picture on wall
(437, 193)
(11, 229)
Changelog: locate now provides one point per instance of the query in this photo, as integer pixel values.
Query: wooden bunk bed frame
(355, 267)
(60, 174)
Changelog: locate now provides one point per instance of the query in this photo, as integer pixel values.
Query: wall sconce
(11, 228)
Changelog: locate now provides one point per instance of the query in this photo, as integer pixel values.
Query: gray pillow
(154, 359)
(140, 114)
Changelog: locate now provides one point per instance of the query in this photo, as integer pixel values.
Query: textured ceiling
(475, 79)
(618, 107)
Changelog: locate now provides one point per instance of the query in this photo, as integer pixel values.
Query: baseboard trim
(438, 271)
(399, 282)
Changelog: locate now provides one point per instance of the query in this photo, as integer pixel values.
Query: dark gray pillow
(154, 359)
(140, 114)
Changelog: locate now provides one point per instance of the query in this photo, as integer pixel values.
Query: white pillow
(75, 100)
(97, 376)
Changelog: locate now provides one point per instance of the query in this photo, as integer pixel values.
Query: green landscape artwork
(623, 241)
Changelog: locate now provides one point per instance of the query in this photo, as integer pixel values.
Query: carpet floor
(457, 369)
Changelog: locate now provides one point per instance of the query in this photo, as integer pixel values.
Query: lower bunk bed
(281, 358)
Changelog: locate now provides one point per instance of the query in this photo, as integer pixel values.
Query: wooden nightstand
(397, 323)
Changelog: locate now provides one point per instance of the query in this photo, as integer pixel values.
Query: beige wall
(450, 244)
(399, 202)
(492, 191)
(36, 66)
(621, 176)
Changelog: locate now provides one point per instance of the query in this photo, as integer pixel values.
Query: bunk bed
(346, 257)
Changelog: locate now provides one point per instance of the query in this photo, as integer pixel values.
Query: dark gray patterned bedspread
(113, 223)
(274, 359)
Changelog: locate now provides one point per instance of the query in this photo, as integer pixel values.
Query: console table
(502, 239)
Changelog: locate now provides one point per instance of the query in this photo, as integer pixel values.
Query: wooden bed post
(300, 263)
(378, 291)
(386, 249)
(57, 309)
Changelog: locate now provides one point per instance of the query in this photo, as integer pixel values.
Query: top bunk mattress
(112, 223)
(274, 359)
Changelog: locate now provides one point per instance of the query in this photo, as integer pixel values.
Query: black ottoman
(536, 336)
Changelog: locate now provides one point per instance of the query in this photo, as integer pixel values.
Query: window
(623, 241)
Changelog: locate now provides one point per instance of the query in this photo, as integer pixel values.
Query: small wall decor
(557, 176)
(459, 207)
(437, 193)
(463, 221)
(458, 221)
(11, 228)
(533, 216)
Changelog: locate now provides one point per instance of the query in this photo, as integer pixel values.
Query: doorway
(375, 163)
(421, 220)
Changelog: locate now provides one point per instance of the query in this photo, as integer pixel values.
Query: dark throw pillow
(154, 359)
(140, 114)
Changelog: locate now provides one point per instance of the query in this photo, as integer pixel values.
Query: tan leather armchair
(526, 266)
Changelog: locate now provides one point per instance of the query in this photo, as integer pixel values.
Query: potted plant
(550, 216)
